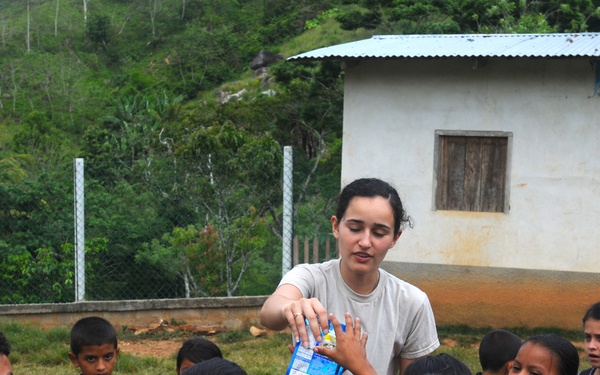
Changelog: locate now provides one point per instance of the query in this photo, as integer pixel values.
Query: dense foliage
(182, 140)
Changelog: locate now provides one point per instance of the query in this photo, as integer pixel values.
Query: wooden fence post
(306, 249)
(296, 250)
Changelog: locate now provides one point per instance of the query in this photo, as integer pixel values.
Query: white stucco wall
(393, 107)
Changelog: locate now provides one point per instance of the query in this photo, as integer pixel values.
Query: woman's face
(535, 359)
(365, 233)
(591, 343)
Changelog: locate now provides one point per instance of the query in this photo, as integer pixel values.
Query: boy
(497, 351)
(194, 351)
(591, 336)
(94, 347)
(5, 366)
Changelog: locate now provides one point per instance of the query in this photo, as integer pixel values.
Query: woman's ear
(396, 238)
(335, 227)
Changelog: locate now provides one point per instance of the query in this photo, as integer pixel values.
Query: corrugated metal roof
(472, 45)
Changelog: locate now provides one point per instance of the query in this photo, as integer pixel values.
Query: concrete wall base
(474, 296)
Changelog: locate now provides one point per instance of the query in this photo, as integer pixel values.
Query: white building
(493, 142)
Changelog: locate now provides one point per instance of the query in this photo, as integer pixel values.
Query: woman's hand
(313, 311)
(287, 308)
(350, 350)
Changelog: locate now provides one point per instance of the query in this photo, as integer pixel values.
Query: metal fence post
(288, 203)
(79, 231)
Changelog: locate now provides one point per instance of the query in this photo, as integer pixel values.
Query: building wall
(393, 107)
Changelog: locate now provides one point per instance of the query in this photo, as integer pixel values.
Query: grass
(37, 351)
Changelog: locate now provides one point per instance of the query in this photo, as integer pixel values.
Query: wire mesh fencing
(170, 228)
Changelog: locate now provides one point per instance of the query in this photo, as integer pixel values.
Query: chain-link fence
(168, 228)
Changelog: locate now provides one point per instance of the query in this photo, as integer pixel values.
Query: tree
(230, 176)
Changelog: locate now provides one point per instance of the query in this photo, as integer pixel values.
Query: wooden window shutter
(472, 173)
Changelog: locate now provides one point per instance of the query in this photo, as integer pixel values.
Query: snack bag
(306, 362)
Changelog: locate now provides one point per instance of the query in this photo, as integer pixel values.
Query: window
(471, 171)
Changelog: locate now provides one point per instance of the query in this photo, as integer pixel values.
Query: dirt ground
(151, 348)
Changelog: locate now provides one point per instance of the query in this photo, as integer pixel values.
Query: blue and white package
(306, 362)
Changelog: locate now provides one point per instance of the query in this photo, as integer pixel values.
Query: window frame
(440, 133)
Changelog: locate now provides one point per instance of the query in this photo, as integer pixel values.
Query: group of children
(94, 350)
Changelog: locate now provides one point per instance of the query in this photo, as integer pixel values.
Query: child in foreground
(215, 366)
(94, 346)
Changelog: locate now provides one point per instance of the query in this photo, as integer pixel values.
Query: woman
(396, 314)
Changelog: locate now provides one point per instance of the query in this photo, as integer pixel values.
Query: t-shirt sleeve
(301, 277)
(423, 338)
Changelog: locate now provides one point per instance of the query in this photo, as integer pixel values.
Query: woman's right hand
(287, 307)
(312, 310)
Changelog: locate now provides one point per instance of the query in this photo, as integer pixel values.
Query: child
(441, 364)
(5, 366)
(398, 316)
(546, 354)
(94, 347)
(194, 351)
(497, 351)
(215, 366)
(591, 344)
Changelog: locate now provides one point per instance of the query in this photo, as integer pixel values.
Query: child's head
(497, 350)
(441, 364)
(94, 346)
(373, 187)
(591, 334)
(215, 366)
(194, 351)
(546, 354)
(5, 366)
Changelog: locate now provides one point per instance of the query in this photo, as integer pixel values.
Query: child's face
(96, 359)
(534, 359)
(185, 364)
(591, 341)
(5, 366)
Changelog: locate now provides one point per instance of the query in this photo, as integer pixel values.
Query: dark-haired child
(5, 366)
(546, 354)
(497, 351)
(591, 339)
(194, 351)
(94, 346)
(215, 366)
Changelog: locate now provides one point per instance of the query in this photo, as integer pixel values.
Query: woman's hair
(370, 188)
(560, 347)
(592, 313)
(197, 350)
(215, 366)
(441, 364)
